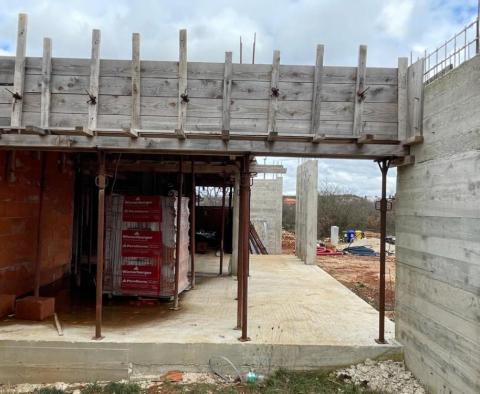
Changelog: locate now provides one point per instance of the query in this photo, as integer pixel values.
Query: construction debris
(383, 376)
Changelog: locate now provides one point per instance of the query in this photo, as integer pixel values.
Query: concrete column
(306, 212)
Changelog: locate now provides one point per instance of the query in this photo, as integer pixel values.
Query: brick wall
(19, 209)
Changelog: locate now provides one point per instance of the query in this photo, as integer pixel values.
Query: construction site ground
(359, 273)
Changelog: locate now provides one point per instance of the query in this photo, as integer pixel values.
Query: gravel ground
(385, 376)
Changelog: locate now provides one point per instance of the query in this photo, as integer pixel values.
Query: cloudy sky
(390, 28)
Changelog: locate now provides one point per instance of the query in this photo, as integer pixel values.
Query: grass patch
(112, 388)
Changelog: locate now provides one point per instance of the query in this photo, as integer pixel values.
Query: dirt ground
(360, 274)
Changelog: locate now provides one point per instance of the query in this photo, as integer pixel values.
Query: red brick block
(35, 308)
(7, 304)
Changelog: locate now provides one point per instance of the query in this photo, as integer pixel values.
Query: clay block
(7, 304)
(35, 308)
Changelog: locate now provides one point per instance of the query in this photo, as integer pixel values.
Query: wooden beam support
(415, 140)
(82, 130)
(403, 161)
(19, 73)
(274, 93)
(36, 130)
(133, 133)
(182, 85)
(135, 122)
(402, 98)
(46, 76)
(360, 90)
(227, 93)
(317, 95)
(94, 81)
(365, 139)
(78, 143)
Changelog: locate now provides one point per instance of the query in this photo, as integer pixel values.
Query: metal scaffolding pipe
(38, 263)
(245, 218)
(241, 230)
(101, 183)
(222, 229)
(178, 233)
(192, 229)
(383, 165)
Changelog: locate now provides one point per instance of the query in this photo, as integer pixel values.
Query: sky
(390, 28)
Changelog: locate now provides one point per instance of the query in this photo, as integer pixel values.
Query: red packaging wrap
(141, 243)
(142, 209)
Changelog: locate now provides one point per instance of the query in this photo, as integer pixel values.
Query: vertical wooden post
(38, 260)
(227, 92)
(245, 218)
(360, 91)
(274, 93)
(135, 123)
(317, 94)
(402, 98)
(94, 81)
(383, 165)
(222, 228)
(46, 76)
(182, 85)
(178, 243)
(192, 227)
(101, 183)
(19, 73)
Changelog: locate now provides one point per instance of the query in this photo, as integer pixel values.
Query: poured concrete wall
(438, 239)
(266, 212)
(19, 210)
(306, 212)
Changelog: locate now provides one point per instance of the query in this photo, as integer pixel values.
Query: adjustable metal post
(178, 234)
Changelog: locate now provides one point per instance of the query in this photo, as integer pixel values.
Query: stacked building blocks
(7, 304)
(35, 308)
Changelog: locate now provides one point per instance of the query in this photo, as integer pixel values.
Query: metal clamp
(92, 99)
(16, 96)
(184, 97)
(275, 92)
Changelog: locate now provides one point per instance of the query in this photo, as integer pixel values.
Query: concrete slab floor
(308, 315)
(290, 303)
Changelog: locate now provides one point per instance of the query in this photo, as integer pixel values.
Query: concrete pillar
(306, 212)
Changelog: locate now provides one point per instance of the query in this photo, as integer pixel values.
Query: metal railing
(461, 47)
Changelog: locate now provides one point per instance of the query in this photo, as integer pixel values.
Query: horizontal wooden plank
(203, 70)
(207, 88)
(210, 146)
(254, 125)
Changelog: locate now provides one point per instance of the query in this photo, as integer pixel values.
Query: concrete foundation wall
(19, 210)
(306, 212)
(266, 212)
(438, 239)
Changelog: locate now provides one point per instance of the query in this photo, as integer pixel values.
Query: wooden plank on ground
(227, 92)
(46, 79)
(274, 93)
(135, 124)
(317, 95)
(93, 91)
(19, 73)
(402, 98)
(360, 90)
(182, 85)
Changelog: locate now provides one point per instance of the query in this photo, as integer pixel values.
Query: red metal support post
(383, 165)
(222, 229)
(178, 234)
(245, 218)
(101, 184)
(241, 230)
(38, 263)
(192, 228)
